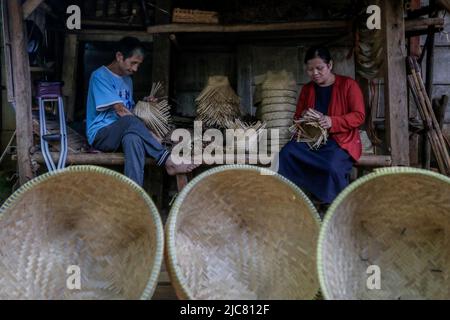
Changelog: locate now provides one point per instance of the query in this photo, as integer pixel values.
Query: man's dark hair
(318, 52)
(129, 46)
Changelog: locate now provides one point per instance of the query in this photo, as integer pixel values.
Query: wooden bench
(110, 159)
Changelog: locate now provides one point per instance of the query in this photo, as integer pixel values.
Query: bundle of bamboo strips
(155, 114)
(433, 130)
(217, 104)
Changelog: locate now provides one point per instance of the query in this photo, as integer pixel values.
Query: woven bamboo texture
(194, 16)
(217, 104)
(240, 232)
(279, 99)
(397, 219)
(86, 216)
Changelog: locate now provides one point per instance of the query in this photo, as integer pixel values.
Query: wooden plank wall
(194, 67)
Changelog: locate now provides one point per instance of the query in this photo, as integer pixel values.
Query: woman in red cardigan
(339, 102)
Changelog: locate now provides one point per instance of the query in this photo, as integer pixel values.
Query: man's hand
(150, 99)
(121, 110)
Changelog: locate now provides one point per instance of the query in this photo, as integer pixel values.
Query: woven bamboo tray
(241, 232)
(397, 219)
(84, 216)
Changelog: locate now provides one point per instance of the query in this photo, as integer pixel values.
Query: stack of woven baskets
(278, 104)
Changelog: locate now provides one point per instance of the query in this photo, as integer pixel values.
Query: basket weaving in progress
(309, 132)
(397, 219)
(84, 216)
(241, 232)
(155, 115)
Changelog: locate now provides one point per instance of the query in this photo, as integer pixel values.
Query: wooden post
(244, 85)
(69, 74)
(22, 90)
(429, 82)
(161, 49)
(396, 104)
(161, 70)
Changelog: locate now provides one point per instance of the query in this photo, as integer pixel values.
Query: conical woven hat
(396, 219)
(92, 218)
(241, 232)
(281, 80)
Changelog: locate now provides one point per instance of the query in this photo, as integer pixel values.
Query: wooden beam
(22, 90)
(411, 25)
(103, 23)
(423, 24)
(69, 74)
(111, 35)
(396, 104)
(29, 6)
(294, 26)
(105, 159)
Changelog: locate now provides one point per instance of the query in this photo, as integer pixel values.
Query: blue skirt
(324, 172)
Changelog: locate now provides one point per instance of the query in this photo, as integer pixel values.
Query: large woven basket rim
(173, 215)
(154, 275)
(340, 198)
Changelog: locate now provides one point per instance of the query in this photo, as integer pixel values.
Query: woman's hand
(325, 122)
(313, 115)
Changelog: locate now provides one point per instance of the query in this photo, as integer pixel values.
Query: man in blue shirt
(110, 122)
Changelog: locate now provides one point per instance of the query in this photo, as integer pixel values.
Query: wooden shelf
(410, 26)
(293, 26)
(111, 35)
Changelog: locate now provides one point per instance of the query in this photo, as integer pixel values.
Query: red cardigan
(347, 112)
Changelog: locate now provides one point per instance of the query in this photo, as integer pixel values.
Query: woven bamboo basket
(84, 216)
(277, 108)
(266, 94)
(397, 219)
(242, 232)
(279, 100)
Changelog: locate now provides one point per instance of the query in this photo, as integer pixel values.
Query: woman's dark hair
(129, 46)
(318, 52)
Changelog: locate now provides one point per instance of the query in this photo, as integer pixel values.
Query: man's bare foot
(174, 169)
